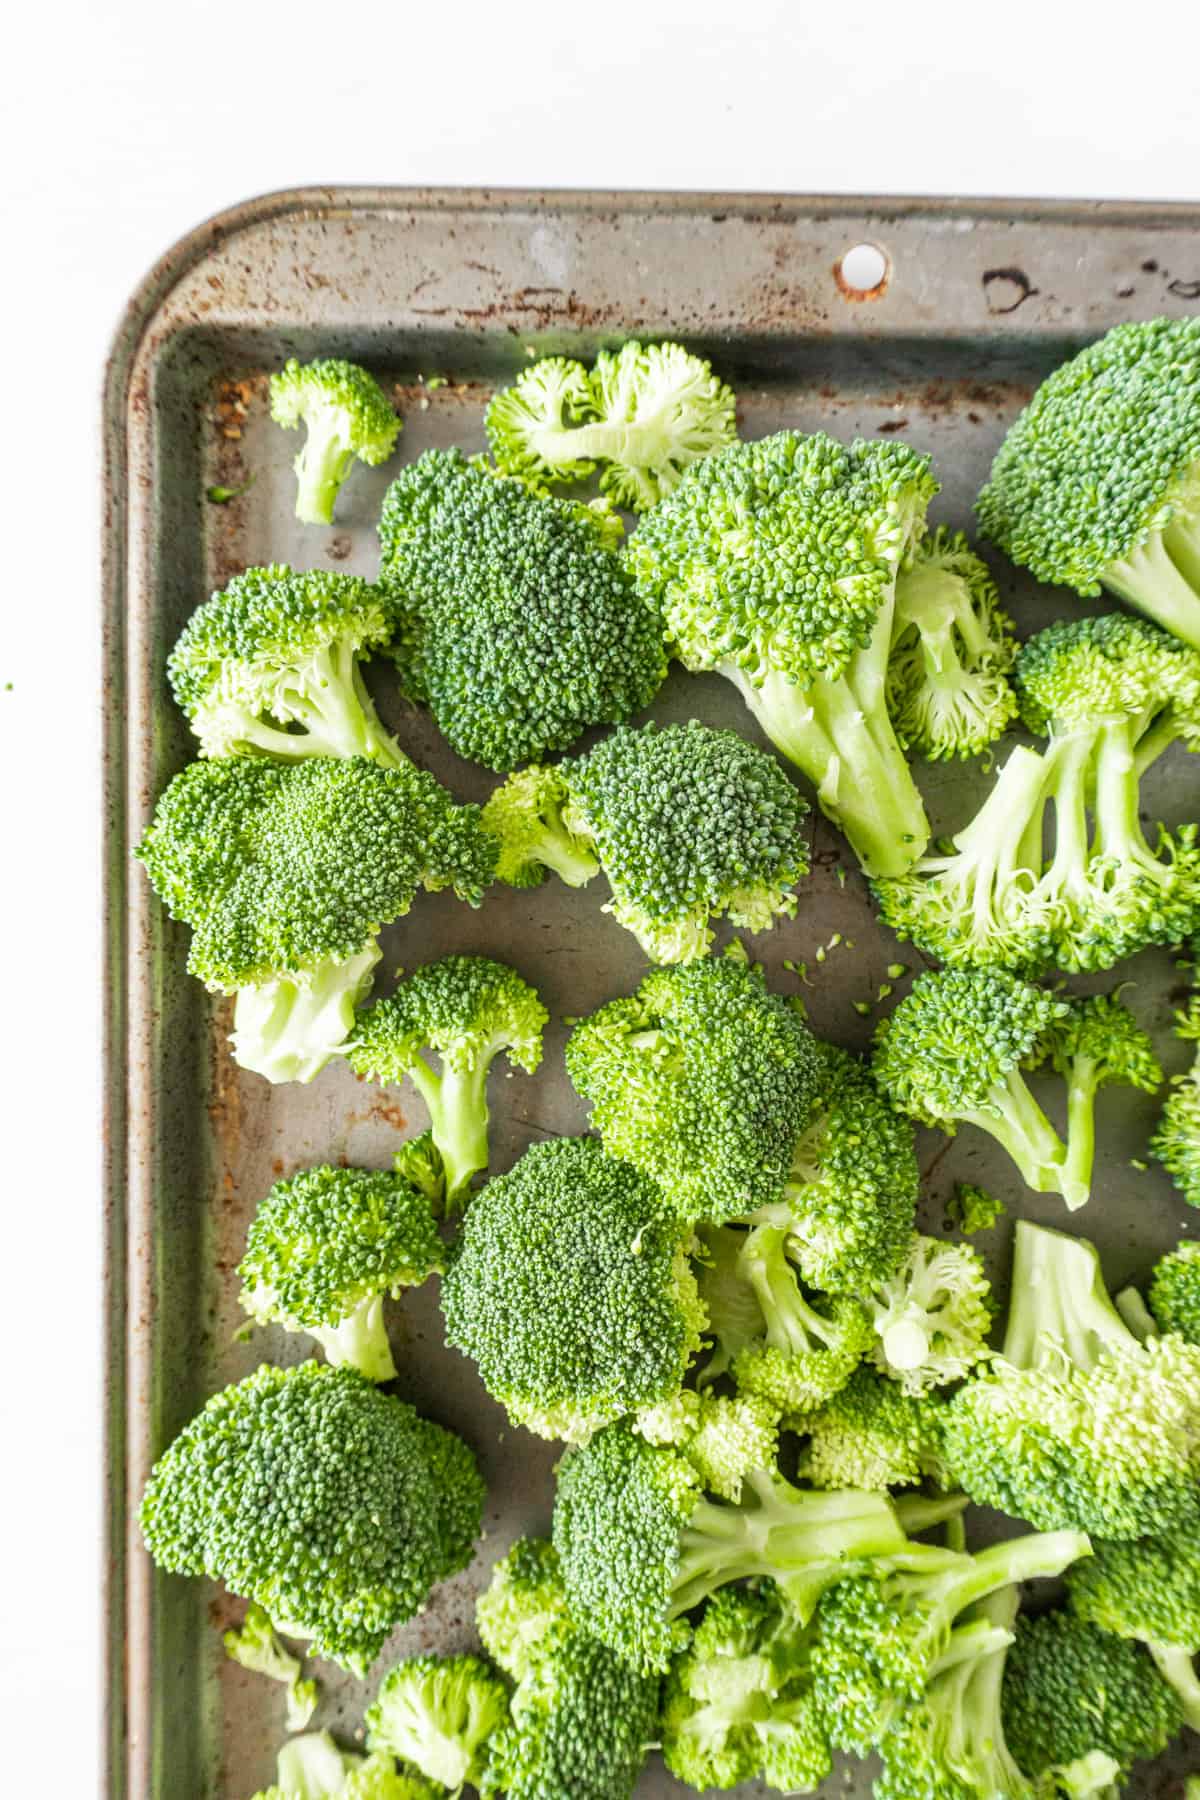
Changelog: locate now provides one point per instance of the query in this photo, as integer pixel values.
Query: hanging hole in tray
(862, 272)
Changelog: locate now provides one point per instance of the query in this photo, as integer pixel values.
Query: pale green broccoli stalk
(1096, 484)
(438, 1713)
(315, 1768)
(971, 1208)
(323, 1250)
(703, 1080)
(724, 1437)
(645, 413)
(1077, 1422)
(287, 871)
(736, 1705)
(466, 1009)
(571, 1292)
(271, 665)
(528, 816)
(1175, 1292)
(1176, 1141)
(522, 1613)
(1149, 1590)
(332, 1505)
(774, 563)
(255, 1646)
(518, 623)
(734, 1315)
(872, 1434)
(346, 415)
(948, 690)
(802, 1353)
(932, 1317)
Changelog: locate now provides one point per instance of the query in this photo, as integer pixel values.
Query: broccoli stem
(360, 1340)
(288, 1028)
(950, 1588)
(1013, 1117)
(458, 1112)
(1135, 1313)
(640, 445)
(1004, 840)
(791, 1324)
(1157, 578)
(1068, 764)
(321, 467)
(1177, 1669)
(1059, 1299)
(1119, 833)
(921, 1512)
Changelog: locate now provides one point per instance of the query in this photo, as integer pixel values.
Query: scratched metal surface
(980, 300)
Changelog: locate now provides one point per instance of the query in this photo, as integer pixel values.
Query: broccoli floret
(346, 415)
(687, 822)
(880, 1636)
(1175, 1292)
(324, 1248)
(734, 1315)
(931, 1319)
(332, 1505)
(973, 1209)
(522, 1613)
(948, 690)
(467, 1009)
(736, 1706)
(528, 816)
(287, 871)
(419, 1162)
(1150, 1590)
(954, 1050)
(571, 1292)
(799, 1355)
(438, 1713)
(1176, 1142)
(519, 621)
(314, 1768)
(270, 664)
(645, 413)
(255, 1646)
(1077, 1422)
(1073, 1692)
(724, 1437)
(1096, 484)
(701, 1079)
(871, 1434)
(775, 564)
(641, 1545)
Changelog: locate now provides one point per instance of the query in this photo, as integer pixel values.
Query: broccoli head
(972, 1208)
(528, 816)
(701, 1079)
(1175, 1292)
(522, 1612)
(323, 1250)
(332, 1505)
(644, 413)
(519, 622)
(1149, 1589)
(775, 564)
(872, 1434)
(314, 1768)
(438, 1713)
(1176, 1141)
(346, 416)
(932, 1317)
(800, 1354)
(571, 1292)
(467, 1009)
(724, 1437)
(254, 1646)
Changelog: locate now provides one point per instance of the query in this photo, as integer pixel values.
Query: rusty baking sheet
(974, 302)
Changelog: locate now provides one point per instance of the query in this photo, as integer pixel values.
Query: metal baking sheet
(978, 302)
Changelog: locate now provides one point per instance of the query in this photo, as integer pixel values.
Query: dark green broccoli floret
(775, 565)
(333, 1505)
(973, 1209)
(688, 823)
(641, 1545)
(255, 1646)
(948, 690)
(346, 415)
(932, 1317)
(287, 871)
(323, 1250)
(724, 1437)
(701, 1079)
(438, 1713)
(270, 664)
(736, 1706)
(645, 412)
(1096, 483)
(1149, 1589)
(467, 1009)
(519, 621)
(313, 1767)
(1077, 1422)
(1176, 1142)
(1175, 1292)
(1072, 1691)
(954, 1051)
(802, 1351)
(871, 1434)
(522, 1612)
(571, 1291)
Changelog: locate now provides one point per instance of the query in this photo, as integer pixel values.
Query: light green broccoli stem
(922, 1512)
(1059, 1303)
(361, 1341)
(322, 466)
(1013, 1117)
(1161, 579)
(458, 1113)
(1004, 839)
(1135, 1314)
(288, 1029)
(1038, 1555)
(791, 1324)
(1067, 769)
(567, 857)
(642, 445)
(1119, 833)
(1177, 1669)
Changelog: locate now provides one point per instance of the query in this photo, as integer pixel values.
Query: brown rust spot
(1006, 289)
(1184, 290)
(890, 425)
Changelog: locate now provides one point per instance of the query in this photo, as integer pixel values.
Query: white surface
(123, 125)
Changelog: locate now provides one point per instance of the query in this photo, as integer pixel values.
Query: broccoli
(736, 1706)
(345, 413)
(1110, 694)
(419, 1161)
(518, 621)
(731, 1305)
(332, 1505)
(973, 1209)
(1176, 1141)
(270, 664)
(528, 816)
(687, 822)
(438, 1713)
(1095, 485)
(255, 1646)
(640, 1544)
(645, 412)
(1073, 1692)
(286, 873)
(1175, 1292)
(701, 1079)
(953, 1052)
(724, 1438)
(948, 691)
(468, 1009)
(931, 1319)
(1078, 1423)
(522, 1613)
(872, 1434)
(571, 1292)
(324, 1248)
(880, 1636)
(774, 564)
(1150, 1590)
(798, 1355)
(314, 1768)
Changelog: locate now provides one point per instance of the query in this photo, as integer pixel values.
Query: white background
(121, 126)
